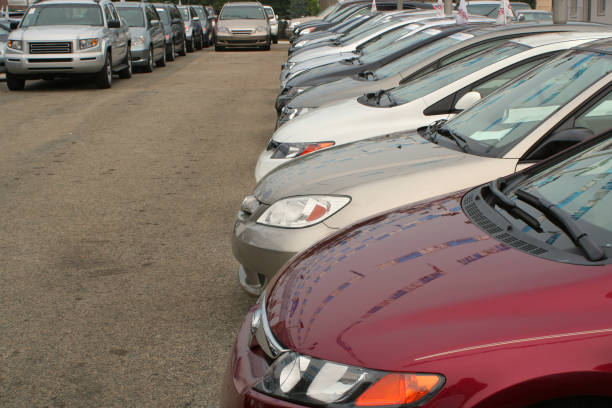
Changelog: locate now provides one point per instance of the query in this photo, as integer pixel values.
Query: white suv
(59, 38)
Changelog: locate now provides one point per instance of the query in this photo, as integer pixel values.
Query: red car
(496, 297)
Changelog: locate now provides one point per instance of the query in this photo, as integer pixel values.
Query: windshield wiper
(455, 137)
(503, 201)
(563, 220)
(369, 75)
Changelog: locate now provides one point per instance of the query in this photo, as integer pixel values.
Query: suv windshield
(63, 14)
(447, 75)
(581, 187)
(133, 16)
(498, 122)
(408, 60)
(186, 14)
(241, 12)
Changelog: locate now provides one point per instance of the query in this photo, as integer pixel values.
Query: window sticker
(432, 31)
(533, 114)
(490, 134)
(461, 36)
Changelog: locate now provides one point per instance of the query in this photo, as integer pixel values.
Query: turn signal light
(316, 146)
(398, 389)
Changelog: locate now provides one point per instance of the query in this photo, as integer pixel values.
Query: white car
(351, 43)
(438, 95)
(547, 109)
(273, 20)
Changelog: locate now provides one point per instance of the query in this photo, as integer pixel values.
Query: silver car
(147, 33)
(4, 31)
(304, 201)
(242, 25)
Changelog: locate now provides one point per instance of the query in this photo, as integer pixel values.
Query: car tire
(210, 40)
(162, 61)
(200, 43)
(183, 50)
(275, 40)
(14, 83)
(104, 78)
(191, 45)
(126, 73)
(267, 46)
(150, 62)
(219, 48)
(172, 55)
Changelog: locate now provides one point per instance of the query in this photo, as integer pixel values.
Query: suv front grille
(47, 47)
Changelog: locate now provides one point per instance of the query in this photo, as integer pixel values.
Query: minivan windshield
(505, 117)
(447, 75)
(186, 14)
(241, 13)
(133, 16)
(63, 14)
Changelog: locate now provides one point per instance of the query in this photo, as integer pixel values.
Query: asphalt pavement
(117, 283)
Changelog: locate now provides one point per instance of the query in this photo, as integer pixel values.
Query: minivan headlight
(222, 29)
(302, 211)
(15, 45)
(314, 382)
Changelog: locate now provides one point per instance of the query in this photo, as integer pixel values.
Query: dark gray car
(147, 32)
(174, 29)
(206, 23)
(193, 28)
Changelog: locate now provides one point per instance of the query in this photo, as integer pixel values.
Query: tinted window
(164, 15)
(186, 15)
(269, 12)
(241, 12)
(133, 16)
(200, 12)
(63, 14)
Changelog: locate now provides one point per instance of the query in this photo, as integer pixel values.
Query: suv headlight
(292, 150)
(15, 45)
(291, 113)
(314, 382)
(88, 43)
(302, 211)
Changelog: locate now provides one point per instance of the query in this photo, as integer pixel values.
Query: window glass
(133, 16)
(241, 12)
(3, 34)
(164, 15)
(269, 11)
(107, 14)
(487, 10)
(405, 41)
(498, 122)
(63, 14)
(451, 73)
(379, 44)
(186, 14)
(598, 118)
(492, 84)
(200, 12)
(192, 12)
(114, 12)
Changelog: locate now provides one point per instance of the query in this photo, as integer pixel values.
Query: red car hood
(422, 281)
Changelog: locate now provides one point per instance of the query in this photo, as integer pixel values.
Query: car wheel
(267, 46)
(172, 54)
(162, 61)
(191, 45)
(126, 73)
(219, 48)
(275, 40)
(13, 83)
(200, 44)
(210, 38)
(183, 50)
(104, 78)
(150, 62)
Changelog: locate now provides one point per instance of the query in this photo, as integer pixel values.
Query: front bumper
(140, 57)
(36, 65)
(245, 369)
(242, 40)
(262, 250)
(283, 99)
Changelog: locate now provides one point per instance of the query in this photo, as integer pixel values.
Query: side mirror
(559, 141)
(276, 16)
(114, 24)
(154, 22)
(467, 100)
(14, 25)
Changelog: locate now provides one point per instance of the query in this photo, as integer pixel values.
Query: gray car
(174, 29)
(147, 33)
(207, 25)
(193, 28)
(4, 31)
(302, 202)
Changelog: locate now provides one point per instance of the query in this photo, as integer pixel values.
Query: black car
(174, 29)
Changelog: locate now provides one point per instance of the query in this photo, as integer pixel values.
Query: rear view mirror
(467, 100)
(559, 141)
(114, 24)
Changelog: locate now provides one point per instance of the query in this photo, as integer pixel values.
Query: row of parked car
(432, 222)
(99, 38)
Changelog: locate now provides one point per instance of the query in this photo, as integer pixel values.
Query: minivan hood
(416, 288)
(56, 33)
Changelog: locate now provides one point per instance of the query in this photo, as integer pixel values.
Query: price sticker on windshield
(431, 31)
(461, 36)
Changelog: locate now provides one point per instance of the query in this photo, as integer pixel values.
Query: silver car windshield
(356, 36)
(380, 47)
(133, 16)
(63, 14)
(432, 82)
(498, 122)
(581, 187)
(186, 14)
(269, 12)
(241, 13)
(410, 59)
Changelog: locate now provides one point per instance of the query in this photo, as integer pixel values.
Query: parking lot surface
(116, 207)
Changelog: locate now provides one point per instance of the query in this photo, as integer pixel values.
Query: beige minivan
(242, 24)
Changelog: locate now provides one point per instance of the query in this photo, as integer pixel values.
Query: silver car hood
(56, 33)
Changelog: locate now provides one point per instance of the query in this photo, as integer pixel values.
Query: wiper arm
(369, 75)
(452, 135)
(563, 220)
(507, 204)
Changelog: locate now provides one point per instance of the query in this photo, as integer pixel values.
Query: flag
(373, 5)
(462, 15)
(439, 7)
(504, 14)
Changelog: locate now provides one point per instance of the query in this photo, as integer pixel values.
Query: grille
(476, 216)
(242, 41)
(36, 60)
(242, 31)
(47, 47)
